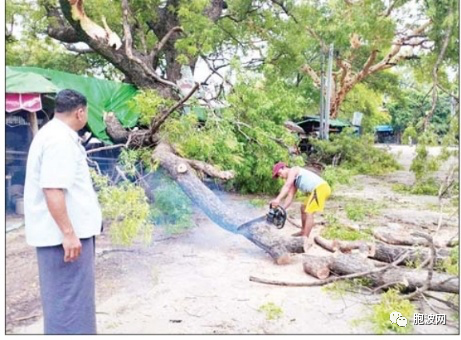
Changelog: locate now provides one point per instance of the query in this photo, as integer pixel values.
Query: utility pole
(328, 92)
(322, 99)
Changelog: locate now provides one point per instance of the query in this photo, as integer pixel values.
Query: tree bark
(398, 238)
(260, 233)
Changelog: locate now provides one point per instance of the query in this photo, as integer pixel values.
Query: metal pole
(328, 93)
(322, 98)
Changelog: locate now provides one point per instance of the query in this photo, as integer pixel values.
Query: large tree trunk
(260, 233)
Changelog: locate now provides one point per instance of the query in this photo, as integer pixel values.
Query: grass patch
(428, 187)
(358, 210)
(271, 310)
(391, 302)
(338, 231)
(258, 202)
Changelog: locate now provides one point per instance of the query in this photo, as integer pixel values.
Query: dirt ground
(198, 282)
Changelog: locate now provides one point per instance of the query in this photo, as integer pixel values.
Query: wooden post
(33, 123)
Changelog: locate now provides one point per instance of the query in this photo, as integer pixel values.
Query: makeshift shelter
(384, 134)
(311, 126)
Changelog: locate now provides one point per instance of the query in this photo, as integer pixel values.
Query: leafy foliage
(125, 207)
(391, 302)
(150, 104)
(337, 175)
(357, 154)
(247, 141)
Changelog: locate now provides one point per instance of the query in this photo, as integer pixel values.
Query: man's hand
(72, 247)
(56, 202)
(274, 203)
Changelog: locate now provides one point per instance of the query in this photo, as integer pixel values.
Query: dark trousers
(68, 290)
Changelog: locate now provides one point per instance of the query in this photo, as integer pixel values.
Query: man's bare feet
(300, 233)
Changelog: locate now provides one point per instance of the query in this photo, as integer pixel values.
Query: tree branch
(430, 272)
(210, 170)
(158, 120)
(129, 51)
(162, 42)
(389, 9)
(435, 79)
(311, 73)
(392, 58)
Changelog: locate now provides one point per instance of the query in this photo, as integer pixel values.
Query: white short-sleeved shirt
(58, 160)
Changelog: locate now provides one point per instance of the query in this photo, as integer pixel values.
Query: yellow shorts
(316, 200)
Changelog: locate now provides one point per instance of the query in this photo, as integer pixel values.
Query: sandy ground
(198, 282)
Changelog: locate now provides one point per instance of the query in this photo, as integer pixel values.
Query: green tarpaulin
(20, 82)
(102, 96)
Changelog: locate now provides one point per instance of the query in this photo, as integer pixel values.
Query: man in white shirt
(62, 217)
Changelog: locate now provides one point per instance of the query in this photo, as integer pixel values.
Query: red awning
(31, 102)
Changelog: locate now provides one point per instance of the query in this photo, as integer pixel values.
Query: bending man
(297, 178)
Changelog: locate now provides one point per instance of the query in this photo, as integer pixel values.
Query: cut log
(402, 238)
(260, 233)
(318, 267)
(383, 252)
(345, 246)
(388, 253)
(412, 278)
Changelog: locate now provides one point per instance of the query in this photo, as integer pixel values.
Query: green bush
(337, 175)
(357, 154)
(125, 206)
(410, 132)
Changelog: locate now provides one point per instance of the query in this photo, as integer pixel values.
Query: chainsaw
(276, 216)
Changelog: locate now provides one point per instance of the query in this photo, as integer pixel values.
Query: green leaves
(125, 207)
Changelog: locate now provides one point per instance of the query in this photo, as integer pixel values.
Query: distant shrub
(354, 153)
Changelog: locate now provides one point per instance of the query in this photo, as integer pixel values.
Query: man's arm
(289, 198)
(289, 183)
(56, 203)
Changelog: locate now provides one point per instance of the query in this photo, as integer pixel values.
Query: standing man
(62, 217)
(306, 181)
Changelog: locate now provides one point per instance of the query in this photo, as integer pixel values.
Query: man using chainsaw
(297, 178)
